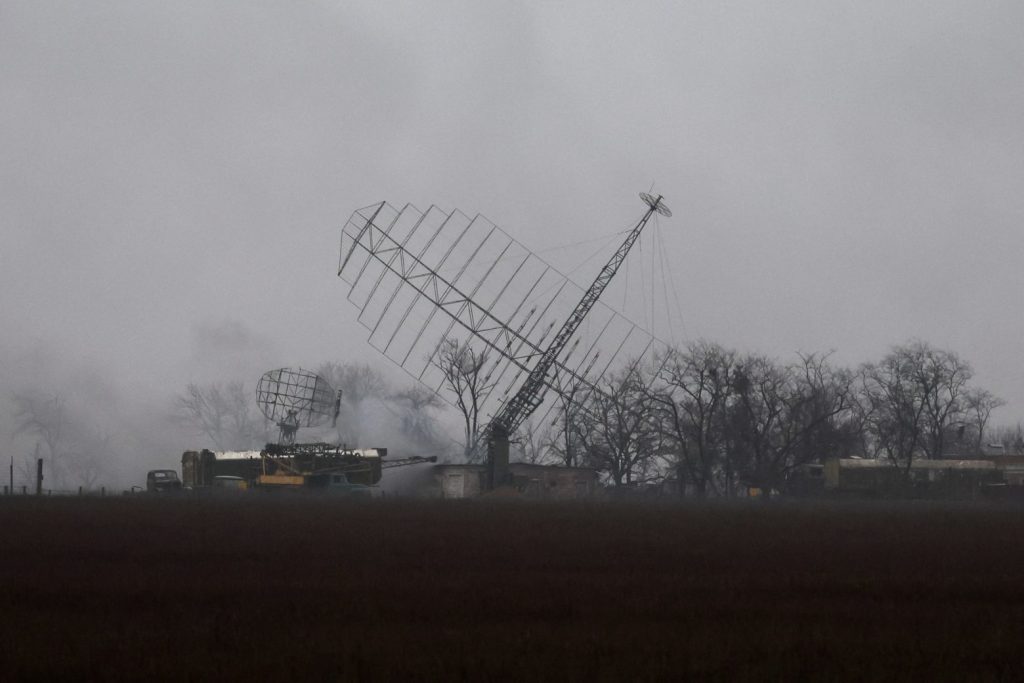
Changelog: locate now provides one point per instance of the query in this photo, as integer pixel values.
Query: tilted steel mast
(530, 395)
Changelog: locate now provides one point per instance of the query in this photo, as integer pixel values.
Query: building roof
(248, 455)
(953, 464)
(235, 455)
(853, 463)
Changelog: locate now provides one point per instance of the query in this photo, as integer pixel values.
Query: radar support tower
(530, 395)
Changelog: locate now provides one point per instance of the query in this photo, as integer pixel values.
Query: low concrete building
(529, 481)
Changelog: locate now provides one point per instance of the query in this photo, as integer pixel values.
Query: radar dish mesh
(285, 392)
(421, 277)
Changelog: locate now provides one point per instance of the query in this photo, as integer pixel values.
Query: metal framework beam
(460, 306)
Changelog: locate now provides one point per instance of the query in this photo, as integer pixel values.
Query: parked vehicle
(162, 481)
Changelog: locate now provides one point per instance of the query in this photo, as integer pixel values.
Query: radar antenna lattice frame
(394, 259)
(295, 398)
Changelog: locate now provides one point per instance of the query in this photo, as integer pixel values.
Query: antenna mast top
(656, 204)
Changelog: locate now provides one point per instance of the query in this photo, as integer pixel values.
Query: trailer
(311, 467)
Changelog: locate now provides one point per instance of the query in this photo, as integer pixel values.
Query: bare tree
(757, 419)
(26, 470)
(692, 400)
(787, 416)
(358, 383)
(941, 377)
(1010, 437)
(203, 408)
(224, 413)
(86, 462)
(42, 416)
(46, 418)
(561, 439)
(465, 377)
(825, 411)
(978, 405)
(416, 421)
(72, 447)
(534, 441)
(894, 410)
(618, 429)
(913, 397)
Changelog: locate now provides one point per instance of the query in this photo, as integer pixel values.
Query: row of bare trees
(733, 420)
(712, 419)
(715, 420)
(73, 446)
(225, 414)
(718, 421)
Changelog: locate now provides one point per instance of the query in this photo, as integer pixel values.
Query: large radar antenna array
(424, 279)
(296, 398)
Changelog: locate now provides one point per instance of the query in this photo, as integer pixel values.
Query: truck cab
(162, 481)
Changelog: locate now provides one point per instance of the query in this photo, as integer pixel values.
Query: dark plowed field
(318, 590)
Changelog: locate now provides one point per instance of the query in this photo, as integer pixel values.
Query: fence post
(103, 491)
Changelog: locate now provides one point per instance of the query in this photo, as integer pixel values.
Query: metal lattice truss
(304, 398)
(420, 278)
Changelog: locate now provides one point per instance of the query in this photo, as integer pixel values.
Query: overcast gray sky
(174, 176)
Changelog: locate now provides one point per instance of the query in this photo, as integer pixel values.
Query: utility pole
(39, 472)
(10, 490)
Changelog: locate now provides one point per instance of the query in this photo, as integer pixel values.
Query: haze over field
(174, 177)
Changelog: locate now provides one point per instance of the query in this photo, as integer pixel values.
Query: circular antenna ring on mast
(656, 203)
